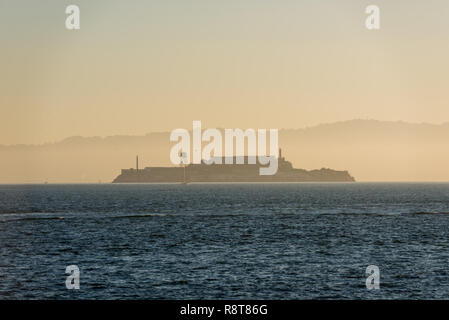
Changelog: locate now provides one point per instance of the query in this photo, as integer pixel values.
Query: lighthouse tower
(280, 154)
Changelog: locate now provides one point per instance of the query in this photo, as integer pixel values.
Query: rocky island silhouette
(229, 173)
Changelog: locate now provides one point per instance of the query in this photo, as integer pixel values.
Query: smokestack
(137, 163)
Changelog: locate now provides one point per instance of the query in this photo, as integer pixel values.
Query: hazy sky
(143, 66)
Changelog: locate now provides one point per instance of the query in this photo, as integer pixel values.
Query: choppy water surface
(225, 241)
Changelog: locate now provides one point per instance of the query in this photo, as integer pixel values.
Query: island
(229, 173)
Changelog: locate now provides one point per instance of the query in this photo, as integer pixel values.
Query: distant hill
(370, 150)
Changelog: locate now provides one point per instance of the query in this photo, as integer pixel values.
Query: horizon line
(221, 128)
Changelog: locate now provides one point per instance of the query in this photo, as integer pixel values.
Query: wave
(152, 215)
(29, 211)
(43, 215)
(431, 212)
(31, 219)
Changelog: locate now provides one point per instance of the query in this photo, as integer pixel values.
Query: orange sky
(157, 65)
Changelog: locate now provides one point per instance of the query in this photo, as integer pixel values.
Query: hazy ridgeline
(370, 150)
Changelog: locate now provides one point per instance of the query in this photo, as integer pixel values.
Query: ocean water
(225, 241)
